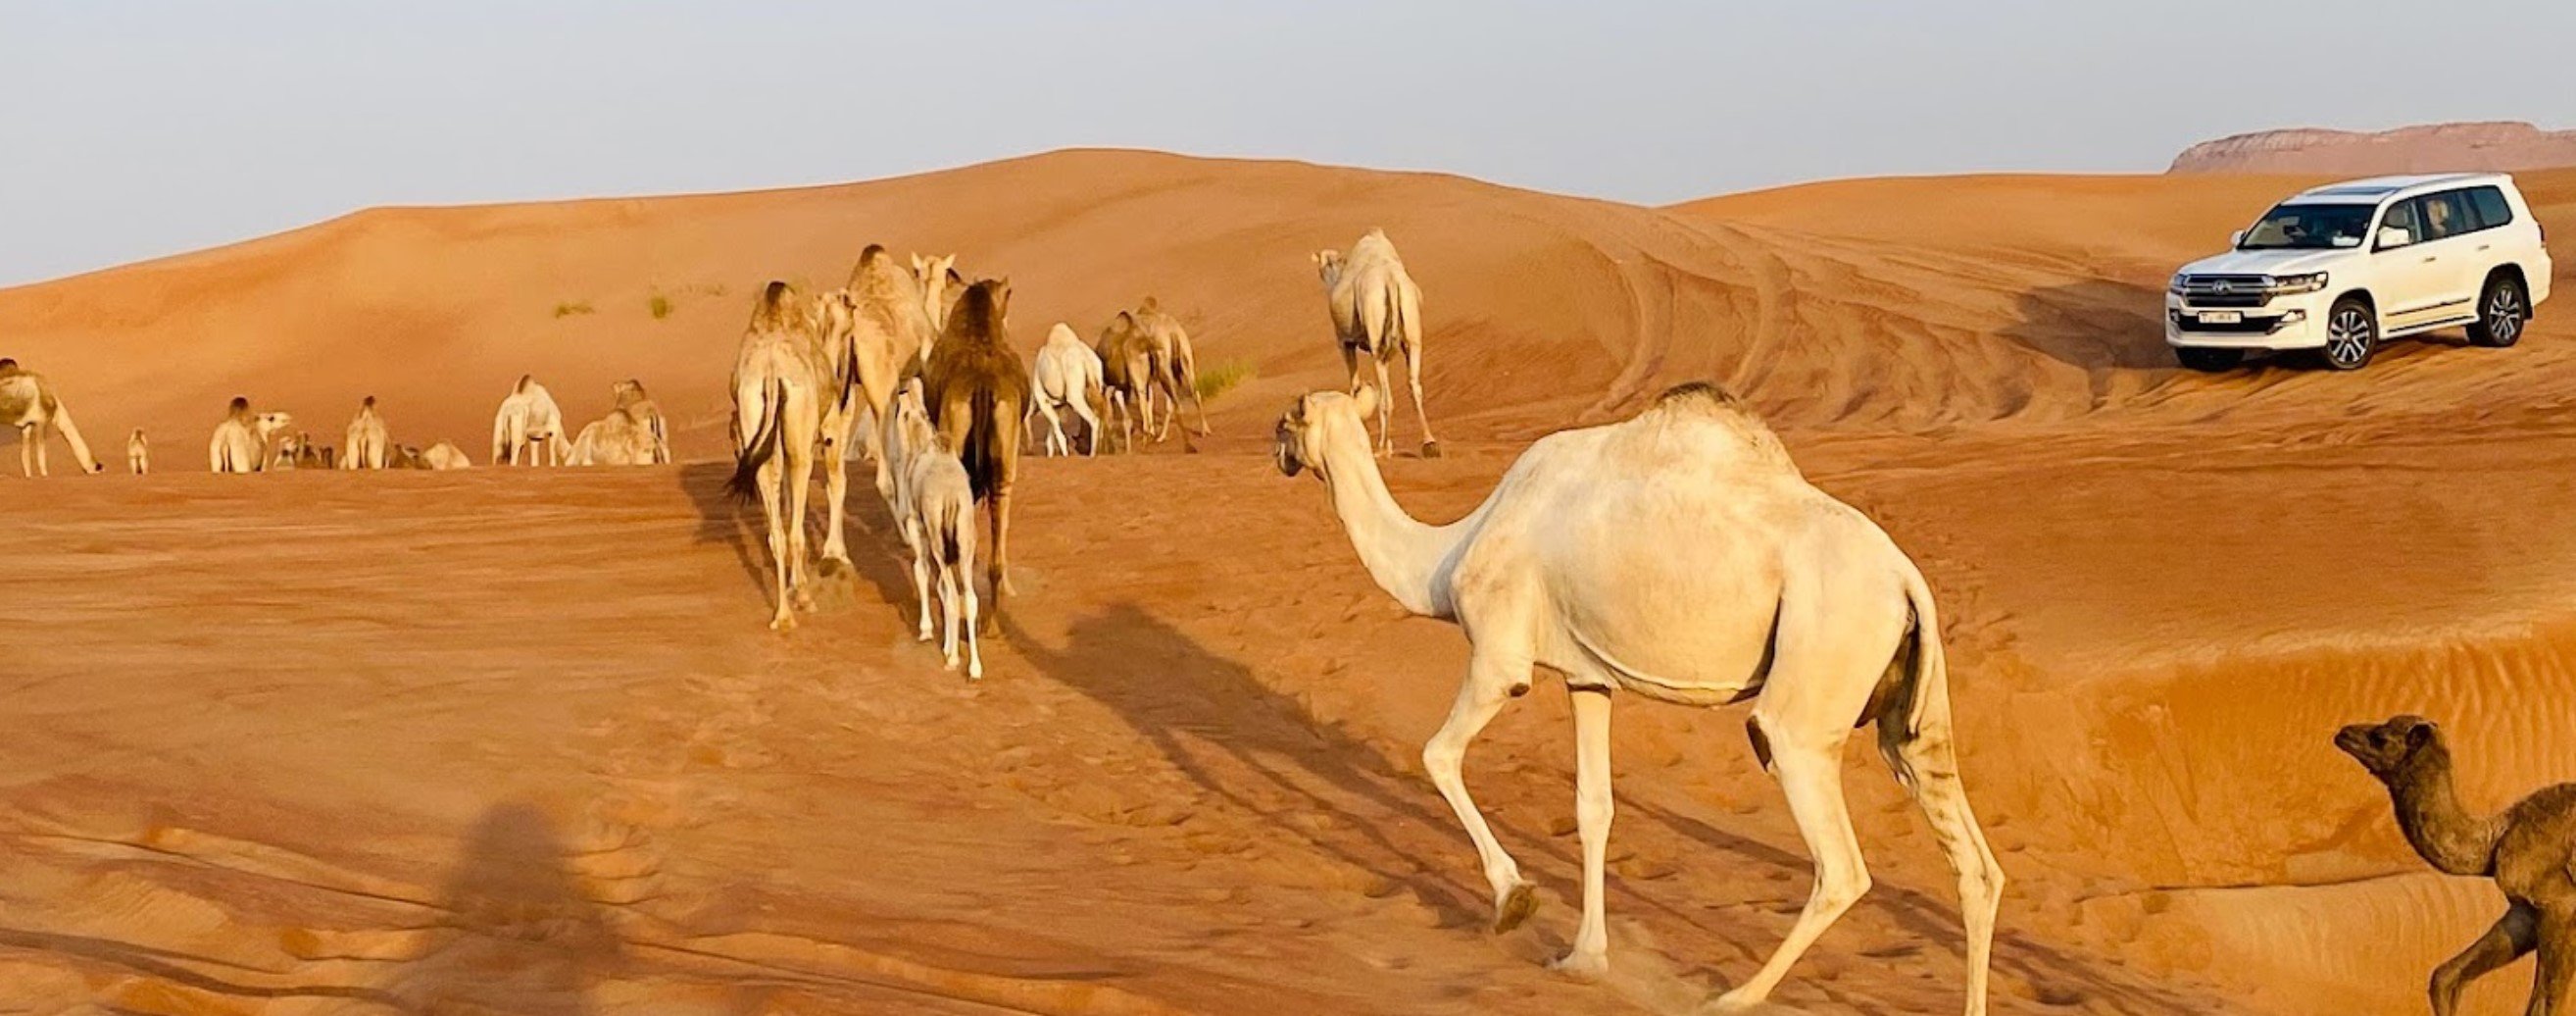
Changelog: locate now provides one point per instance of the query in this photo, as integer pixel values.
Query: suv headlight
(2174, 285)
(2293, 284)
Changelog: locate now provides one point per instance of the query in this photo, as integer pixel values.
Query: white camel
(366, 442)
(1681, 556)
(631, 434)
(445, 455)
(779, 398)
(28, 402)
(1377, 312)
(529, 424)
(138, 453)
(875, 332)
(1064, 376)
(244, 441)
(940, 285)
(935, 504)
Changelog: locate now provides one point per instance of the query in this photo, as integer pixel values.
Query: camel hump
(239, 403)
(873, 252)
(524, 381)
(8, 366)
(1702, 396)
(370, 402)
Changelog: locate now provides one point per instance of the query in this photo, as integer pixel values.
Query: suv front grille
(2226, 290)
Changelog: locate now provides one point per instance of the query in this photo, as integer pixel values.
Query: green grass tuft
(1217, 380)
(565, 310)
(660, 306)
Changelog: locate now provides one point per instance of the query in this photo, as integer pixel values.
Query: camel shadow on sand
(739, 525)
(515, 932)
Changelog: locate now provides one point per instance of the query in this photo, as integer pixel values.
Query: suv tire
(2208, 360)
(2352, 334)
(2502, 310)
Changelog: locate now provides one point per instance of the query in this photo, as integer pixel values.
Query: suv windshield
(2309, 227)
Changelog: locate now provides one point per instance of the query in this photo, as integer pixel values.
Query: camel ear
(2418, 736)
(1366, 397)
(917, 262)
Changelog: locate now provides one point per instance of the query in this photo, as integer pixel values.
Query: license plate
(2222, 317)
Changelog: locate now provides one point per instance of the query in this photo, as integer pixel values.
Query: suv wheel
(2208, 359)
(2501, 313)
(2352, 334)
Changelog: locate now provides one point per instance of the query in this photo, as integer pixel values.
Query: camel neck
(1410, 560)
(2435, 823)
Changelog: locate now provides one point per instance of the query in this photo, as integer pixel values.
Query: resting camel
(1377, 312)
(242, 442)
(299, 452)
(1127, 376)
(977, 391)
(630, 435)
(444, 455)
(366, 439)
(1064, 377)
(28, 402)
(629, 398)
(1176, 367)
(138, 453)
(935, 504)
(872, 335)
(2529, 850)
(1678, 555)
(779, 396)
(528, 423)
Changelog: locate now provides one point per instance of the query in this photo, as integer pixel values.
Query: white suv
(2340, 268)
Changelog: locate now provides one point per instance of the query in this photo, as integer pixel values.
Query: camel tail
(1915, 695)
(983, 453)
(957, 536)
(755, 453)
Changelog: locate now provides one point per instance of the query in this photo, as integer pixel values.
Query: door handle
(2485, 247)
(2430, 258)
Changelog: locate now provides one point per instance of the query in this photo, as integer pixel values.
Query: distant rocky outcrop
(2503, 145)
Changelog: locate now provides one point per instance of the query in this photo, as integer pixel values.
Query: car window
(2401, 216)
(2491, 207)
(2444, 214)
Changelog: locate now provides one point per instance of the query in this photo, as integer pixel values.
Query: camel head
(2393, 748)
(1328, 264)
(1312, 420)
(271, 424)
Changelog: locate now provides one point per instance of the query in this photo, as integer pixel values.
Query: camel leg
(785, 618)
(974, 645)
(1810, 770)
(1932, 761)
(1055, 441)
(27, 451)
(1000, 506)
(1590, 956)
(1413, 374)
(2514, 934)
(1490, 681)
(836, 491)
(1385, 409)
(2553, 982)
(800, 477)
(63, 425)
(921, 571)
(1090, 426)
(949, 608)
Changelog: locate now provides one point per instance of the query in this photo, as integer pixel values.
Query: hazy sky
(131, 129)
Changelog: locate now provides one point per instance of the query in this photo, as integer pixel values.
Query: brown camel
(2529, 850)
(978, 391)
(1176, 365)
(1126, 376)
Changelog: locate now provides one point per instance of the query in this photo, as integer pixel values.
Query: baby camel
(935, 503)
(2530, 852)
(1679, 555)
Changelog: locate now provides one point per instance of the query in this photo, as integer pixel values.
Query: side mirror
(2394, 236)
(2236, 239)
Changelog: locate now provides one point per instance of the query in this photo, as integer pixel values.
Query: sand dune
(2425, 148)
(319, 743)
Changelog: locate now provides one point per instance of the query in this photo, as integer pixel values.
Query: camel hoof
(951, 665)
(1582, 966)
(924, 636)
(1517, 907)
(1731, 1002)
(832, 566)
(783, 625)
(1431, 449)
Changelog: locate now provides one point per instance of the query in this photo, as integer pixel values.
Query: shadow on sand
(738, 524)
(2096, 324)
(517, 935)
